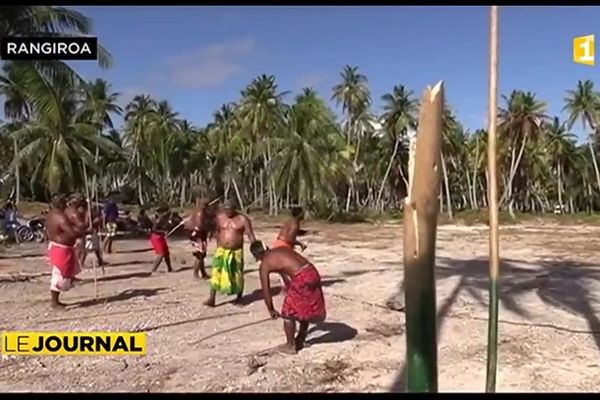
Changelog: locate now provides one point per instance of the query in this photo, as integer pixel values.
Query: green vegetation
(270, 150)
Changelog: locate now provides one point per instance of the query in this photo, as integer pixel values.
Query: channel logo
(584, 50)
(73, 343)
(49, 48)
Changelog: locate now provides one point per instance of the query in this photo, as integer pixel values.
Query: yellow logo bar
(584, 50)
(73, 343)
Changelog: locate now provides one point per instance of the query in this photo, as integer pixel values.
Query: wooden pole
(17, 174)
(87, 195)
(420, 228)
(492, 356)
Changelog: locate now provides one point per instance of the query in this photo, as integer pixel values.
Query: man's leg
(83, 258)
(289, 327)
(199, 267)
(301, 335)
(211, 298)
(99, 257)
(54, 302)
(156, 263)
(168, 262)
(196, 267)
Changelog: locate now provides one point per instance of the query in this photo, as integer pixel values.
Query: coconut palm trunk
(420, 228)
(492, 353)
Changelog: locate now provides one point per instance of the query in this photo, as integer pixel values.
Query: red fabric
(304, 301)
(159, 244)
(282, 243)
(63, 258)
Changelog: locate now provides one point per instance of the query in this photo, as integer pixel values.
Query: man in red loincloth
(158, 239)
(304, 302)
(62, 235)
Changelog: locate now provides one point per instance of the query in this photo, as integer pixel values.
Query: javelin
(187, 218)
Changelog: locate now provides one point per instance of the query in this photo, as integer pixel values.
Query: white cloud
(209, 66)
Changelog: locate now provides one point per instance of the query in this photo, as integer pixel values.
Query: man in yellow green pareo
(228, 261)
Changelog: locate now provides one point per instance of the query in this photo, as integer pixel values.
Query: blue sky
(200, 57)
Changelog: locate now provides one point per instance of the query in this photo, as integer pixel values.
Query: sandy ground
(549, 330)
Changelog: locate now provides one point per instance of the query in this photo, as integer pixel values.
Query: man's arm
(295, 229)
(249, 230)
(265, 283)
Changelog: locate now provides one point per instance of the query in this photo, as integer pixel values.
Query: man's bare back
(283, 260)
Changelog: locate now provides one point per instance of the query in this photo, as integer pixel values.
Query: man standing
(62, 236)
(158, 240)
(304, 302)
(111, 215)
(201, 223)
(228, 260)
(288, 235)
(76, 213)
(92, 240)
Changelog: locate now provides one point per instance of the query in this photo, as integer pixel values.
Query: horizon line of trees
(269, 151)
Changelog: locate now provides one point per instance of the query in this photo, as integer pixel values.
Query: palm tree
(355, 97)
(304, 160)
(139, 115)
(400, 111)
(561, 145)
(521, 121)
(261, 112)
(583, 104)
(48, 21)
(55, 138)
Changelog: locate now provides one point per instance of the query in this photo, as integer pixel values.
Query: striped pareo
(228, 271)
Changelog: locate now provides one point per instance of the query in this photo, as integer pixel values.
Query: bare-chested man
(304, 302)
(158, 239)
(62, 235)
(288, 235)
(228, 260)
(200, 226)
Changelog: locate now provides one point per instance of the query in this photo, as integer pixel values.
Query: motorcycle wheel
(24, 234)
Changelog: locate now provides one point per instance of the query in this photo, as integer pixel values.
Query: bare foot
(300, 344)
(238, 302)
(58, 305)
(209, 303)
(286, 349)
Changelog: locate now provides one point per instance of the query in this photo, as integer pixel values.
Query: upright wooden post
(420, 227)
(89, 201)
(492, 356)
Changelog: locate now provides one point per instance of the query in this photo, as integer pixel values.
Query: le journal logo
(49, 48)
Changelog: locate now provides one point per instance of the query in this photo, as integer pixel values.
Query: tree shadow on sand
(125, 295)
(564, 284)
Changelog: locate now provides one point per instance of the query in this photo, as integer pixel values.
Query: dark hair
(257, 248)
(297, 211)
(57, 201)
